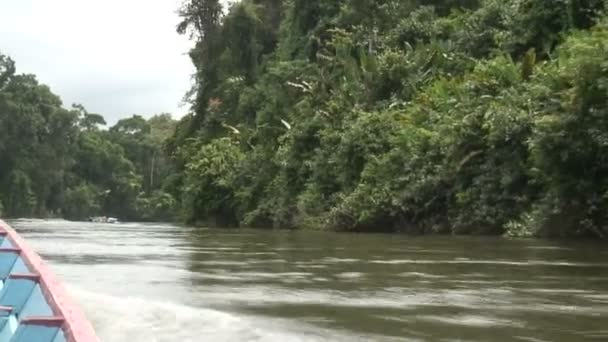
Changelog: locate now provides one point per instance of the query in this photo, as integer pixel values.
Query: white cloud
(116, 57)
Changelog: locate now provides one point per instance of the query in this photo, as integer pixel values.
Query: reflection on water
(153, 282)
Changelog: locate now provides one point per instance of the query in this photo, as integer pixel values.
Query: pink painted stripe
(6, 309)
(75, 325)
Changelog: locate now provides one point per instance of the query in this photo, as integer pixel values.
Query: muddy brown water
(160, 282)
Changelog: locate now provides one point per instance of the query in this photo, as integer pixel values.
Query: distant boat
(34, 306)
(103, 219)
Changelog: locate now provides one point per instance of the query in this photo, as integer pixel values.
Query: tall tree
(201, 20)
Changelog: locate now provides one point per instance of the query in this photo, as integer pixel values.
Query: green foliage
(423, 116)
(159, 206)
(209, 179)
(569, 142)
(20, 199)
(59, 162)
(82, 201)
(7, 70)
(419, 116)
(35, 146)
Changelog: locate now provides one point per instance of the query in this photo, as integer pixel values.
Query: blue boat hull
(34, 306)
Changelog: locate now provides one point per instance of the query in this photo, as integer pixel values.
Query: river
(159, 282)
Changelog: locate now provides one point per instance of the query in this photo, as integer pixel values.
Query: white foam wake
(148, 320)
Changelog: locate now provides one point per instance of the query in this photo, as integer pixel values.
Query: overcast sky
(116, 57)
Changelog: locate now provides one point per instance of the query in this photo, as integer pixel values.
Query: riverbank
(517, 231)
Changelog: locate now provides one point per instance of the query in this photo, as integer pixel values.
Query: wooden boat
(34, 306)
(103, 219)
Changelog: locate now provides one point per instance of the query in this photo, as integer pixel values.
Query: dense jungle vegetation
(421, 116)
(57, 162)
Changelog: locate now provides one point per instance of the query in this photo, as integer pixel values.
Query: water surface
(157, 282)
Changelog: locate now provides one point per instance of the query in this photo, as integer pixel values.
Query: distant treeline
(56, 162)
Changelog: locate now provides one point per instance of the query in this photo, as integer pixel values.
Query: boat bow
(34, 305)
